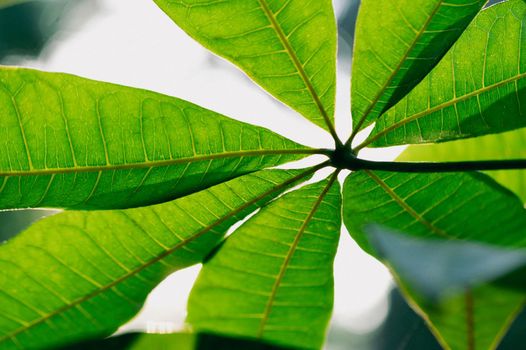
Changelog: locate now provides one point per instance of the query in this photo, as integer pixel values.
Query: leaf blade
(442, 206)
(72, 267)
(81, 144)
(386, 70)
(297, 237)
(488, 77)
(287, 47)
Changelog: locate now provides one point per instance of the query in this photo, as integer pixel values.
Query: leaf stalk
(343, 158)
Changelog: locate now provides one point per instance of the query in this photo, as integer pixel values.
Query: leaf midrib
(161, 256)
(407, 207)
(438, 108)
(154, 164)
(290, 253)
(295, 60)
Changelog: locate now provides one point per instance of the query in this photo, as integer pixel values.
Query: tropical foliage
(152, 184)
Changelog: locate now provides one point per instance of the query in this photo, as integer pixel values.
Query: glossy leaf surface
(287, 46)
(76, 143)
(273, 278)
(79, 275)
(478, 88)
(467, 206)
(397, 44)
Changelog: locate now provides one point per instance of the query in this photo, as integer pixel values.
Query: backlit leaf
(76, 143)
(478, 88)
(397, 44)
(79, 275)
(286, 46)
(449, 206)
(273, 278)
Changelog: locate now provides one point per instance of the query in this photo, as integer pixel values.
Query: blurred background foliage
(26, 27)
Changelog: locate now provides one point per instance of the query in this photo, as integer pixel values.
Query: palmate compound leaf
(508, 145)
(468, 206)
(286, 46)
(273, 278)
(397, 44)
(70, 142)
(82, 274)
(478, 88)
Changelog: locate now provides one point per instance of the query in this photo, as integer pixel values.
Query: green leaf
(273, 278)
(509, 145)
(436, 204)
(210, 341)
(287, 46)
(478, 88)
(76, 143)
(467, 206)
(62, 275)
(437, 268)
(397, 44)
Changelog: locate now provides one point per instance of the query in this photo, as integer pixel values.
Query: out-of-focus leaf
(7, 3)
(438, 268)
(27, 26)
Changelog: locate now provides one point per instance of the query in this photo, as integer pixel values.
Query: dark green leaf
(79, 275)
(76, 143)
(478, 88)
(397, 44)
(7, 3)
(272, 279)
(286, 46)
(403, 329)
(176, 341)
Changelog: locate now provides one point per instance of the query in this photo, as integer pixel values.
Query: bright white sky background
(133, 43)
